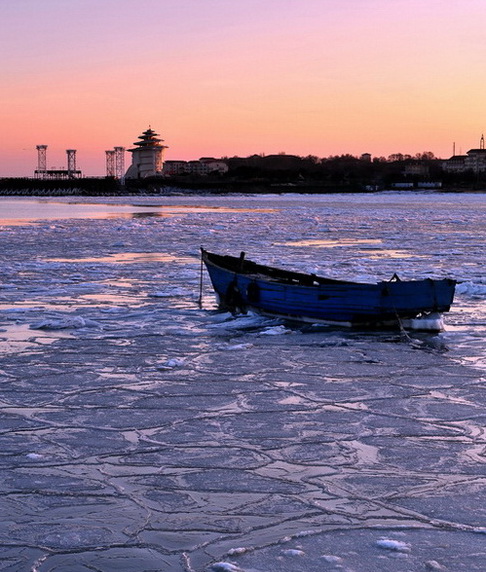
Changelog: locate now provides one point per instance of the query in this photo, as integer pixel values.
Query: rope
(405, 335)
(201, 274)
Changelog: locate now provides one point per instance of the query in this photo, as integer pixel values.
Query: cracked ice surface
(141, 433)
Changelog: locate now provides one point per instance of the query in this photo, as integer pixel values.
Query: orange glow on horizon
(223, 79)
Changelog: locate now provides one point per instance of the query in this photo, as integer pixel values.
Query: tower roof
(148, 139)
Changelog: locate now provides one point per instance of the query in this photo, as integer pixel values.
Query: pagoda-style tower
(147, 156)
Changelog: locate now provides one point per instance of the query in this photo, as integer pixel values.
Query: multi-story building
(202, 167)
(474, 160)
(174, 168)
(416, 168)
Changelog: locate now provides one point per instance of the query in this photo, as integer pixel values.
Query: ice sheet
(141, 432)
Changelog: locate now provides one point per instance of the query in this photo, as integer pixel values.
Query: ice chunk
(113, 310)
(236, 347)
(434, 565)
(170, 293)
(430, 323)
(474, 289)
(240, 550)
(64, 323)
(171, 363)
(240, 322)
(331, 558)
(390, 544)
(225, 567)
(293, 552)
(221, 317)
(275, 331)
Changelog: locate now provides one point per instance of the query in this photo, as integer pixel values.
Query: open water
(140, 432)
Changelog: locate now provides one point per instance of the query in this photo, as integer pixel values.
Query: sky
(238, 77)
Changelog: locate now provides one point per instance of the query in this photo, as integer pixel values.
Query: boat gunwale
(266, 273)
(290, 277)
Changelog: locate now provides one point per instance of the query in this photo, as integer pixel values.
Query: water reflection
(145, 214)
(19, 212)
(129, 258)
(17, 338)
(389, 253)
(330, 243)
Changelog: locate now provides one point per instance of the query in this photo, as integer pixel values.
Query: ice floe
(226, 567)
(275, 331)
(34, 456)
(172, 363)
(173, 292)
(167, 416)
(471, 289)
(392, 544)
(237, 551)
(64, 323)
(237, 347)
(434, 566)
(331, 558)
(293, 552)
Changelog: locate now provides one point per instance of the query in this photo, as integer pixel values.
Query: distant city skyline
(112, 168)
(219, 78)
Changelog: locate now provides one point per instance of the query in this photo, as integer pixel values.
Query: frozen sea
(140, 432)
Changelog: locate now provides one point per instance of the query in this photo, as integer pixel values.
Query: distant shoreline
(110, 187)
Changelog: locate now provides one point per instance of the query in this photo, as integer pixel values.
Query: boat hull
(242, 285)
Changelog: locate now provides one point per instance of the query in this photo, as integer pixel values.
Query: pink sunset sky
(237, 77)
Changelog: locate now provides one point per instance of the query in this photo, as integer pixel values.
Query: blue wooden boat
(242, 285)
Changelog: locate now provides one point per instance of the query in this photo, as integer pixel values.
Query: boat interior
(241, 265)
